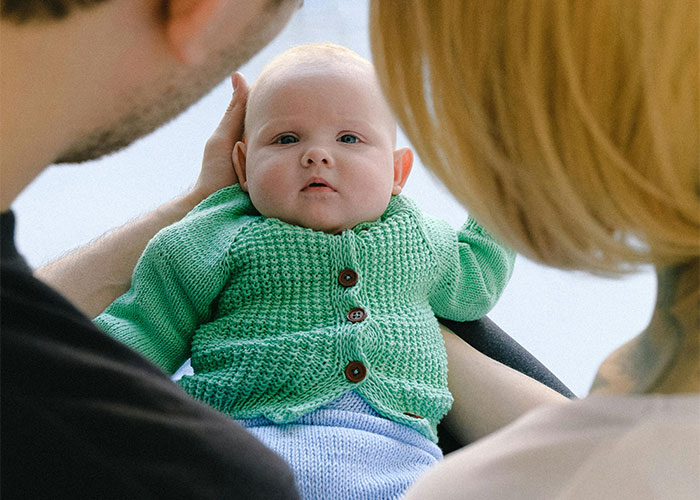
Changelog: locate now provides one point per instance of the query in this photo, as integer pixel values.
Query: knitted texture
(346, 450)
(258, 306)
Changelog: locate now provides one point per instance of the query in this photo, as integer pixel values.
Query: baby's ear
(403, 162)
(239, 164)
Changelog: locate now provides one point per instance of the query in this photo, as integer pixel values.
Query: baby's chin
(324, 225)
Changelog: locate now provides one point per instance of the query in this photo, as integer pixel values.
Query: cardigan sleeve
(177, 278)
(473, 269)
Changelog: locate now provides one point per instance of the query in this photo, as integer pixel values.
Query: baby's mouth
(318, 185)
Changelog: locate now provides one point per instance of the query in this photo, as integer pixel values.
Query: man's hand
(217, 164)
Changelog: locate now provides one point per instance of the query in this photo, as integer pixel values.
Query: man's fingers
(231, 124)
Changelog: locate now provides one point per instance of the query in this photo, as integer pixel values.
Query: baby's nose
(315, 156)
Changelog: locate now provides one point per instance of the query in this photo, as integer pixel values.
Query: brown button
(347, 278)
(356, 314)
(355, 371)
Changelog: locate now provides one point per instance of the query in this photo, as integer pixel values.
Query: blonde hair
(568, 128)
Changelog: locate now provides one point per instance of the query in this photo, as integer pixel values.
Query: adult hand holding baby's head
(217, 166)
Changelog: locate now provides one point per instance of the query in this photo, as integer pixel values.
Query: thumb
(230, 128)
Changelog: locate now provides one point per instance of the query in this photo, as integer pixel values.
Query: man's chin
(150, 107)
(86, 154)
(102, 143)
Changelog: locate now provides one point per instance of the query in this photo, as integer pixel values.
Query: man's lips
(318, 185)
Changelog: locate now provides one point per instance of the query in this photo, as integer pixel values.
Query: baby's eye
(286, 139)
(348, 139)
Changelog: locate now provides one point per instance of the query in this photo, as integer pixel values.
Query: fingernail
(236, 81)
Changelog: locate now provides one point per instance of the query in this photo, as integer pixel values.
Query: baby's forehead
(326, 55)
(296, 71)
(289, 70)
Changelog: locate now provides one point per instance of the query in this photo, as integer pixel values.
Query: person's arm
(159, 313)
(93, 276)
(487, 394)
(473, 270)
(177, 279)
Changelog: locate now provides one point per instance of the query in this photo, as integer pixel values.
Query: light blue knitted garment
(347, 451)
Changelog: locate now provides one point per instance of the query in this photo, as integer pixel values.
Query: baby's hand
(217, 166)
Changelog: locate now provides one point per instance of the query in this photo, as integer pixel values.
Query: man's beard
(143, 117)
(146, 110)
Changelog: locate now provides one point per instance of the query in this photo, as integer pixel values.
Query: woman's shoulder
(623, 447)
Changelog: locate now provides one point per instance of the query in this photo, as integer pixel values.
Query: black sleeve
(485, 336)
(85, 417)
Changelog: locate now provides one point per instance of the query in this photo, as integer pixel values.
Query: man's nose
(316, 156)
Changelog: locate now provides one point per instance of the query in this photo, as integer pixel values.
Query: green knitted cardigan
(257, 305)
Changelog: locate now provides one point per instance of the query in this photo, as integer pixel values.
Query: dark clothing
(83, 416)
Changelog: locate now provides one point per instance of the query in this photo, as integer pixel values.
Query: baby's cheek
(264, 182)
(375, 201)
(263, 198)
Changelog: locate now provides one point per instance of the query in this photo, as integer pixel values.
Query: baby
(307, 294)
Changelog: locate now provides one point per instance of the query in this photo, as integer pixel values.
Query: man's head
(121, 68)
(320, 141)
(146, 108)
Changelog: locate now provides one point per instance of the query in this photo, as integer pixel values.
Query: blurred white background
(570, 321)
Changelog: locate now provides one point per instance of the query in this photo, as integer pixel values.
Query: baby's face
(319, 150)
